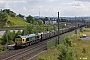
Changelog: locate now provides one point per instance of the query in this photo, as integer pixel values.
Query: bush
(41, 58)
(81, 29)
(79, 39)
(8, 37)
(1, 49)
(18, 33)
(65, 53)
(84, 50)
(67, 41)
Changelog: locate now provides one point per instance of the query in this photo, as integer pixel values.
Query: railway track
(21, 53)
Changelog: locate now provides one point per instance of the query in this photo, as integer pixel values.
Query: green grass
(17, 21)
(79, 45)
(51, 54)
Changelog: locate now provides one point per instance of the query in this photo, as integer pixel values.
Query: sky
(48, 8)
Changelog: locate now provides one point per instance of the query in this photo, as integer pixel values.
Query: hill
(9, 19)
(16, 21)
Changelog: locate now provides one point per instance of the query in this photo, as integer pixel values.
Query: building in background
(52, 22)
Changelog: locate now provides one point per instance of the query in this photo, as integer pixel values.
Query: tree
(55, 27)
(63, 49)
(40, 22)
(6, 10)
(30, 19)
(9, 12)
(45, 19)
(19, 15)
(13, 35)
(25, 31)
(67, 41)
(8, 37)
(65, 54)
(3, 16)
(18, 33)
(4, 38)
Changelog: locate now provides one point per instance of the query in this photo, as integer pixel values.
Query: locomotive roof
(30, 35)
(20, 36)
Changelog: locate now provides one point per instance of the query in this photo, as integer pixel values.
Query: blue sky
(48, 8)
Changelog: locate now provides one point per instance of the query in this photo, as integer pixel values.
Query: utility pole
(58, 29)
(75, 26)
(7, 38)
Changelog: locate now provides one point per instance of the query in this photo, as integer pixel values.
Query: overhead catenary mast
(75, 26)
(58, 29)
(39, 15)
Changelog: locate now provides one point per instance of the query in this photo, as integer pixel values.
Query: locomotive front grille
(18, 41)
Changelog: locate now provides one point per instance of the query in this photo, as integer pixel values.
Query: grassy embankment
(78, 46)
(17, 21)
(14, 23)
(81, 45)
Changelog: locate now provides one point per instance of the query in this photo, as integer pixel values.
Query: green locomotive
(27, 39)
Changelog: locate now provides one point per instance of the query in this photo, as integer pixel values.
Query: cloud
(39, 1)
(9, 1)
(75, 8)
(83, 0)
(3, 4)
(47, 7)
(77, 4)
(24, 8)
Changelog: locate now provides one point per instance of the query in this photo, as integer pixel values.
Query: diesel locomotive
(27, 39)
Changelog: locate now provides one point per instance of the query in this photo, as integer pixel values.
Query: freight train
(33, 38)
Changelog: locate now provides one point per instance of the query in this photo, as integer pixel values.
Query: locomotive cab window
(27, 39)
(37, 36)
